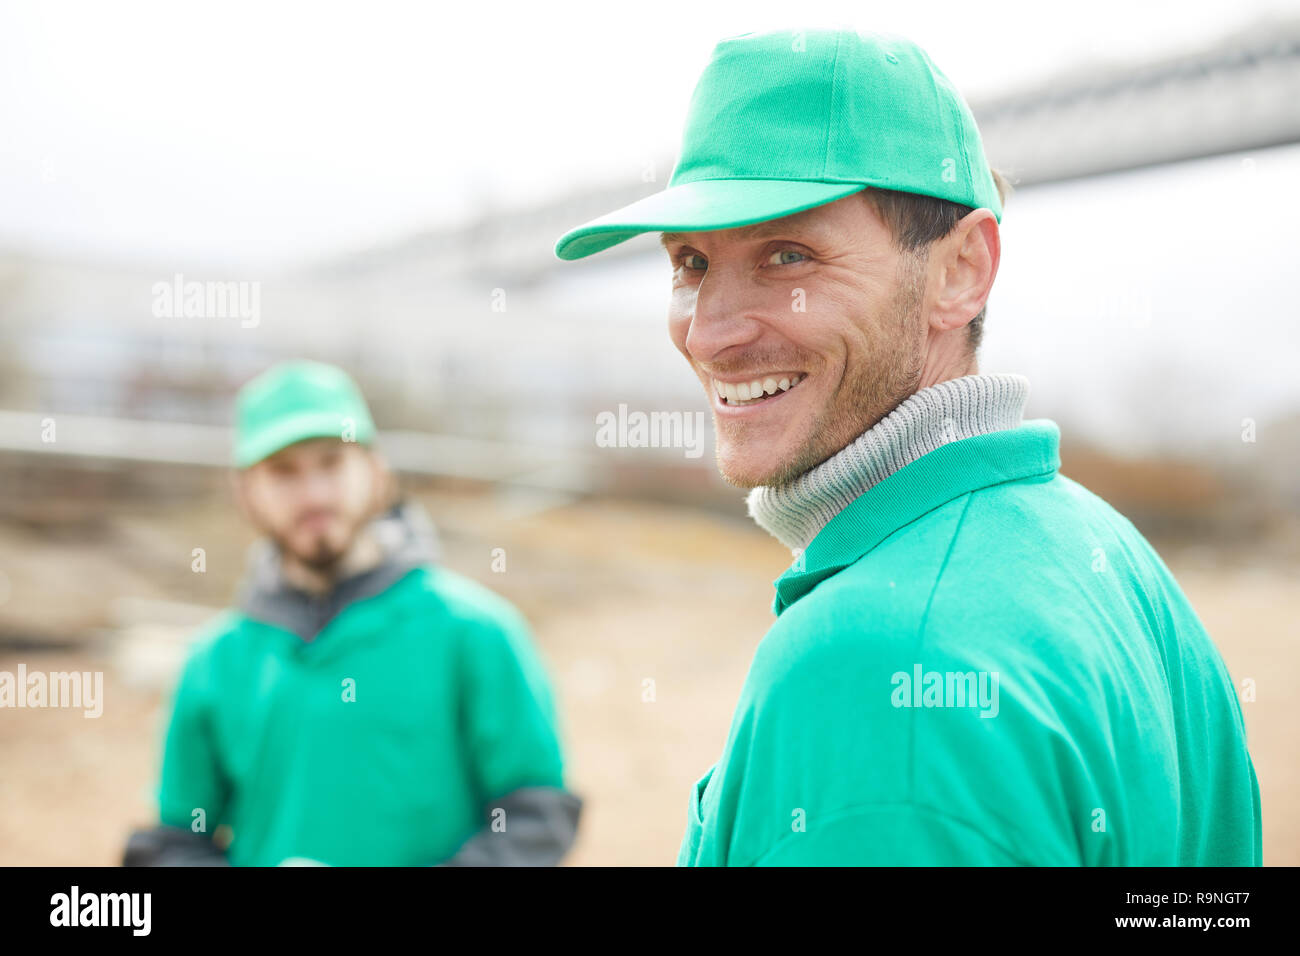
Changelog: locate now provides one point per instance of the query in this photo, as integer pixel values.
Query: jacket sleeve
(511, 739)
(171, 846)
(192, 777)
(532, 826)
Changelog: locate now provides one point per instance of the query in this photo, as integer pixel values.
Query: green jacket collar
(950, 471)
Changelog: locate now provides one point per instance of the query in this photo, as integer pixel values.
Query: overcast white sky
(260, 133)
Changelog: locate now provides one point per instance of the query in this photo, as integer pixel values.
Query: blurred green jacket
(403, 719)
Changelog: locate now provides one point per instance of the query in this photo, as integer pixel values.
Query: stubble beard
(868, 393)
(323, 556)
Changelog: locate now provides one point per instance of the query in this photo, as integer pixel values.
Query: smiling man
(362, 705)
(975, 660)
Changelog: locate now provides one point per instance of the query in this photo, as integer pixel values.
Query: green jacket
(405, 719)
(980, 662)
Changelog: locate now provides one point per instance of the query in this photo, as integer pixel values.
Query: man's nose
(726, 303)
(317, 487)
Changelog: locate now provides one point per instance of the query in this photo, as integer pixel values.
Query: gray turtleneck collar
(949, 411)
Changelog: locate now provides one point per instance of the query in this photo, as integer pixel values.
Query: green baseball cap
(293, 401)
(782, 122)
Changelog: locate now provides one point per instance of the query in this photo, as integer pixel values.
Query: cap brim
(267, 441)
(701, 205)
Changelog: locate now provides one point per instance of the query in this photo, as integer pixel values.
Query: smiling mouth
(757, 391)
(315, 519)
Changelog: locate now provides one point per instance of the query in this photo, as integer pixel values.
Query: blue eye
(781, 261)
(686, 261)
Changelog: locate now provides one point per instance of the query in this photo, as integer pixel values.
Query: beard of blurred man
(313, 500)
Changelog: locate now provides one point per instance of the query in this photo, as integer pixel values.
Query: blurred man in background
(976, 661)
(360, 705)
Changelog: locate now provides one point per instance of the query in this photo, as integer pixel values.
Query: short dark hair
(915, 221)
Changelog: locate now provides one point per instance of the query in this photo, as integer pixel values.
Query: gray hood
(408, 540)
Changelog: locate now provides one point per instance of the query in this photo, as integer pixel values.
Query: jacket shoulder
(216, 635)
(463, 599)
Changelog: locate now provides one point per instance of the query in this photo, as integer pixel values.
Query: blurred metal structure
(1243, 93)
(417, 321)
(175, 443)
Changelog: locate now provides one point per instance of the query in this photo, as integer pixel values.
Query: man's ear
(385, 482)
(964, 268)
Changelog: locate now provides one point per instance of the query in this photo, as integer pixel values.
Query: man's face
(313, 498)
(820, 310)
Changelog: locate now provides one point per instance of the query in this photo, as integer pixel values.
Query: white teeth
(748, 393)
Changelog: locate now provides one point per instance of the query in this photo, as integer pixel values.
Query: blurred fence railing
(410, 452)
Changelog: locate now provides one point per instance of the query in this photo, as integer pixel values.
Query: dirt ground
(619, 594)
